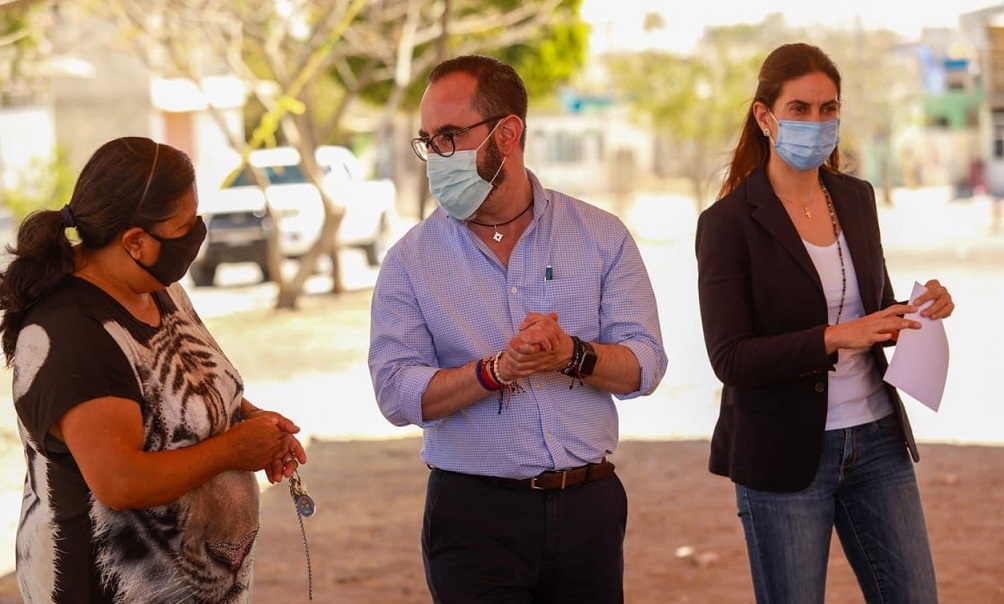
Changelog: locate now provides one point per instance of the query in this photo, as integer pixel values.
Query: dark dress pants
(485, 541)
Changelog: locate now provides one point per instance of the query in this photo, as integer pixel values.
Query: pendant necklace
(804, 206)
(498, 236)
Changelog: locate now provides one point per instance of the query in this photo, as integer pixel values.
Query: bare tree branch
(295, 45)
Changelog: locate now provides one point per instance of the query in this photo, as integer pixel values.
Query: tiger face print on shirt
(79, 345)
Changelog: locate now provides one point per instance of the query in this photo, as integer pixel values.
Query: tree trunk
(326, 244)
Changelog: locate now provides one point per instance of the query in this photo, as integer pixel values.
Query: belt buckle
(561, 487)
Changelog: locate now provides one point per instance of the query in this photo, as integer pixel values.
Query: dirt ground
(684, 542)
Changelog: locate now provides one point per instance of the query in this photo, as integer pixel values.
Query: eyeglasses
(443, 143)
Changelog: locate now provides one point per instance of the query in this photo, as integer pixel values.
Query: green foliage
(329, 60)
(12, 23)
(704, 95)
(550, 58)
(47, 183)
(694, 103)
(700, 97)
(555, 57)
(22, 46)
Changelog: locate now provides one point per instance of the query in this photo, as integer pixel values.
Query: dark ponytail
(129, 181)
(42, 258)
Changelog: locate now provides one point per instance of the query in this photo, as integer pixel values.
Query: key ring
(305, 506)
(304, 502)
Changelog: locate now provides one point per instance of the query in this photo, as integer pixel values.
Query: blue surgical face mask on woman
(806, 145)
(455, 183)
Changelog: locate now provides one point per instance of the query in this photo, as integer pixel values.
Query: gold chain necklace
(804, 206)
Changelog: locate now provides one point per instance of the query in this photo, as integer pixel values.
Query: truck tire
(375, 249)
(203, 274)
(266, 275)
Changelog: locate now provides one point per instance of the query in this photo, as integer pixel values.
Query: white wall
(583, 153)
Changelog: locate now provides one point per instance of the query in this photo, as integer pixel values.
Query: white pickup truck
(236, 218)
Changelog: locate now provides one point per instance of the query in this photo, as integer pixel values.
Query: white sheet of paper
(919, 365)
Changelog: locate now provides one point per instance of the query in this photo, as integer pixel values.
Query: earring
(766, 132)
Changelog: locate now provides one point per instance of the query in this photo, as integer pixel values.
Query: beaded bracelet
(511, 387)
(488, 376)
(573, 363)
(495, 370)
(485, 377)
(572, 368)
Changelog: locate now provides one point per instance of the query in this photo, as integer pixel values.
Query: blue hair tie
(68, 220)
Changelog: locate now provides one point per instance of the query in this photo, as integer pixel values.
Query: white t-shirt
(856, 394)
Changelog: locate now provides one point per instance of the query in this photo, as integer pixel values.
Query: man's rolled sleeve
(652, 362)
(399, 394)
(401, 355)
(630, 315)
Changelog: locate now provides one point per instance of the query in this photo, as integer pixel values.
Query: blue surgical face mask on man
(455, 183)
(806, 145)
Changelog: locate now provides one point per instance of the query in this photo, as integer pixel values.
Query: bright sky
(619, 22)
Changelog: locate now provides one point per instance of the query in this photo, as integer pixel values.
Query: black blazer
(764, 314)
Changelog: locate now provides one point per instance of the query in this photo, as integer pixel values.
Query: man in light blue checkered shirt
(504, 325)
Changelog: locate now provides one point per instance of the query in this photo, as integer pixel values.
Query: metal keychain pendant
(304, 502)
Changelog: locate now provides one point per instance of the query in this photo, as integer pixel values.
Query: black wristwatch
(587, 359)
(583, 360)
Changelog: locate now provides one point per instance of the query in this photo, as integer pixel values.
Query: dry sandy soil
(364, 538)
(684, 541)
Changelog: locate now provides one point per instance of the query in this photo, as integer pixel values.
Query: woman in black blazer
(797, 306)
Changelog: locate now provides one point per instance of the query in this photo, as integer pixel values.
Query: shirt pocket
(576, 302)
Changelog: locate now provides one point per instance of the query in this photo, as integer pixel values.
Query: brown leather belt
(562, 479)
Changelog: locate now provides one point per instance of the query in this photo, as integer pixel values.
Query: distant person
(797, 306)
(977, 178)
(501, 325)
(996, 207)
(978, 186)
(140, 446)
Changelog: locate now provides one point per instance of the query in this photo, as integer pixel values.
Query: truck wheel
(203, 274)
(375, 249)
(266, 275)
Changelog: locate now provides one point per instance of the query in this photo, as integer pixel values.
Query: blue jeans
(865, 487)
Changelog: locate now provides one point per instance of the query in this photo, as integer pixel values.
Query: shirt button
(513, 289)
(820, 387)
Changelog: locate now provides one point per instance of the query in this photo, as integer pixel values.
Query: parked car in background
(238, 215)
(8, 235)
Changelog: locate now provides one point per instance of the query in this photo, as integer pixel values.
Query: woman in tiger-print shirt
(140, 484)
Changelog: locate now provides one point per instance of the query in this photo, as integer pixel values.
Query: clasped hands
(272, 446)
(540, 346)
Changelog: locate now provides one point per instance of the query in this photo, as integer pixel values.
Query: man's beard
(490, 165)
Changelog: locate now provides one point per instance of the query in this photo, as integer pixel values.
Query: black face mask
(176, 254)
